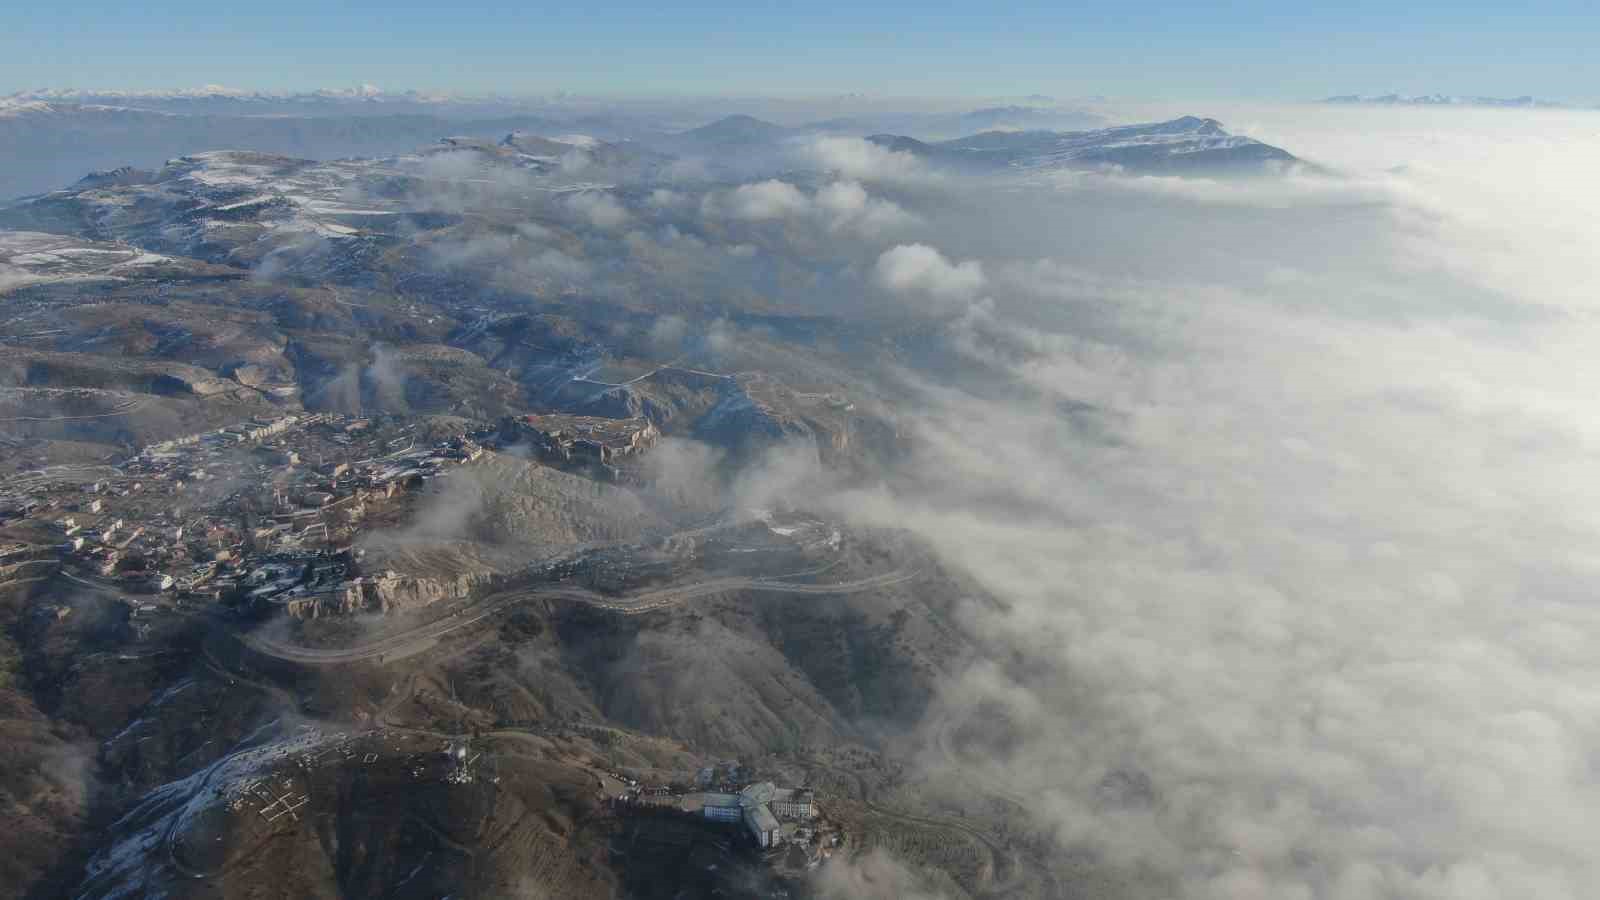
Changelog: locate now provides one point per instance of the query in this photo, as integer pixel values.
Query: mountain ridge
(1394, 99)
(1184, 144)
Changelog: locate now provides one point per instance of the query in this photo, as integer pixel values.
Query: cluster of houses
(262, 507)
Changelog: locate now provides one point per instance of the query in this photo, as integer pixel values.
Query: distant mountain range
(47, 144)
(1187, 145)
(1445, 100)
(932, 126)
(216, 100)
(661, 116)
(742, 131)
(51, 137)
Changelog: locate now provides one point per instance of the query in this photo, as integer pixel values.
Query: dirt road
(420, 638)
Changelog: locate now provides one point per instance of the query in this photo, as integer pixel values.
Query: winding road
(424, 636)
(127, 402)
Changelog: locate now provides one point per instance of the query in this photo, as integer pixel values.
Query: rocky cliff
(386, 593)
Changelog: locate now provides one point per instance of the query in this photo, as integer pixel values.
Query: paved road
(423, 636)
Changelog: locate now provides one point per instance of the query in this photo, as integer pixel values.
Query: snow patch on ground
(132, 865)
(33, 258)
(577, 140)
(253, 201)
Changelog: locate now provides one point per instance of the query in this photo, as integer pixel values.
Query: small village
(267, 510)
(264, 516)
(255, 507)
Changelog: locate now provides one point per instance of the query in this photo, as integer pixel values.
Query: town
(267, 510)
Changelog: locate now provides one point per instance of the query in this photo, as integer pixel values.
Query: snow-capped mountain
(36, 258)
(47, 143)
(1187, 144)
(242, 208)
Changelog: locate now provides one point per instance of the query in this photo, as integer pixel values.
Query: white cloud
(865, 161)
(920, 269)
(875, 875)
(843, 198)
(661, 198)
(668, 332)
(598, 209)
(848, 206)
(840, 206)
(1291, 504)
(533, 231)
(770, 199)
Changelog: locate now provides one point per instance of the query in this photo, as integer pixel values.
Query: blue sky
(1253, 50)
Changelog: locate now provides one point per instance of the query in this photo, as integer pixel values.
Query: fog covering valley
(1241, 519)
(1315, 566)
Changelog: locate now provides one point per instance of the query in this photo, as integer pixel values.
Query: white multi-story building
(762, 824)
(793, 803)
